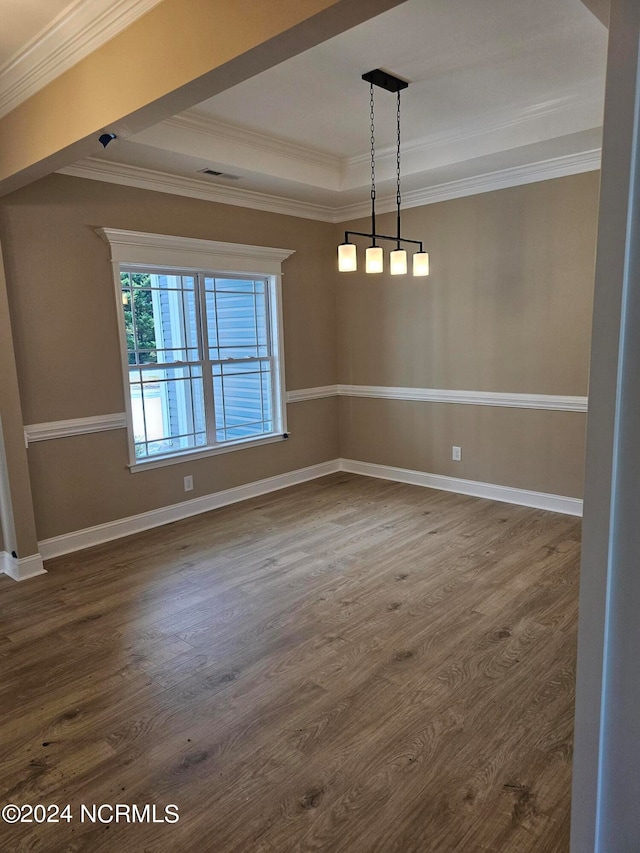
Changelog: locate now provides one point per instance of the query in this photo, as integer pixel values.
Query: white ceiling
(497, 87)
(464, 61)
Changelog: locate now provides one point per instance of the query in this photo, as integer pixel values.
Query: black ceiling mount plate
(385, 80)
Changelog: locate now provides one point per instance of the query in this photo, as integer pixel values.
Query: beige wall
(522, 448)
(507, 308)
(63, 312)
(81, 481)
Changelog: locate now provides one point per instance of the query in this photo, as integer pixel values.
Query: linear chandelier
(374, 257)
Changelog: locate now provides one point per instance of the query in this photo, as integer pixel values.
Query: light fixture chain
(398, 173)
(398, 155)
(373, 146)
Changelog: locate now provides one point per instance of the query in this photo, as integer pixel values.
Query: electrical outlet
(188, 483)
(456, 453)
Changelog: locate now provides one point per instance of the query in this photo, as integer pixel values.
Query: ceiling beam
(165, 62)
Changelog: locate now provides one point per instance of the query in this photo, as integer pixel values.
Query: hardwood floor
(347, 665)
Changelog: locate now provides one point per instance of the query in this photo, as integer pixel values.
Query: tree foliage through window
(138, 298)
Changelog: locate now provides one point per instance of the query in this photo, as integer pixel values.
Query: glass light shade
(421, 263)
(398, 262)
(375, 260)
(347, 258)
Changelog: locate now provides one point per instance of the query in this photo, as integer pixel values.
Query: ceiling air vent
(216, 174)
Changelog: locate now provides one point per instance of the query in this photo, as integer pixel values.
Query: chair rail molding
(505, 399)
(75, 426)
(549, 402)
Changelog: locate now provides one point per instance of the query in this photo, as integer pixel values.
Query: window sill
(191, 455)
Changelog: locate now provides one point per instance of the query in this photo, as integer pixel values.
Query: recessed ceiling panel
(466, 61)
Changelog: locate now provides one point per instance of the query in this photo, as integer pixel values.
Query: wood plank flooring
(349, 665)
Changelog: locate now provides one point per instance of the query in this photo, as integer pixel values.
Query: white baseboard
(523, 497)
(6, 562)
(79, 539)
(20, 569)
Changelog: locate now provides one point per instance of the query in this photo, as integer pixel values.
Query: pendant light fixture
(374, 257)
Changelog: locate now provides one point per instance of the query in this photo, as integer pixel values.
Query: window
(203, 347)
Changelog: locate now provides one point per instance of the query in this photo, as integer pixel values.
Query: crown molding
(585, 95)
(257, 151)
(150, 179)
(232, 148)
(77, 31)
(199, 122)
(545, 170)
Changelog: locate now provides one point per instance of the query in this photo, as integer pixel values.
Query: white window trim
(187, 254)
